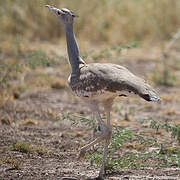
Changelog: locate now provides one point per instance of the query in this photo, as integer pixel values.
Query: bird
(98, 84)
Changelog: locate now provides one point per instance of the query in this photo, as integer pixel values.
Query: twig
(171, 42)
(165, 56)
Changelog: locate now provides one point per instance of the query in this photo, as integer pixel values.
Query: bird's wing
(114, 78)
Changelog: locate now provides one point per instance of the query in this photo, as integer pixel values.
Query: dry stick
(165, 56)
(172, 41)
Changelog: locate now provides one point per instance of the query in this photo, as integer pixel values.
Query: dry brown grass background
(100, 21)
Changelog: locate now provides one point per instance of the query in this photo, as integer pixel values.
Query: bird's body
(99, 83)
(110, 80)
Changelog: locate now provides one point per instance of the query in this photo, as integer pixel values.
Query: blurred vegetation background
(31, 36)
(109, 21)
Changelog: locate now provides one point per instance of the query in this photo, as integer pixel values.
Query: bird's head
(64, 15)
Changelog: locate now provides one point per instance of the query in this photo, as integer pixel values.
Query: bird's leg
(95, 130)
(86, 147)
(107, 142)
(97, 140)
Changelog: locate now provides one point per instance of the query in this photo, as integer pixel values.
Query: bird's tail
(150, 96)
(148, 93)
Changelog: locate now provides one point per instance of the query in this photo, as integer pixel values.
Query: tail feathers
(150, 96)
(154, 98)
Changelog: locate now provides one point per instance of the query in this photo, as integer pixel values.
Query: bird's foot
(101, 174)
(81, 154)
(100, 177)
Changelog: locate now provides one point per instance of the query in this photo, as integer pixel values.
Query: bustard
(98, 83)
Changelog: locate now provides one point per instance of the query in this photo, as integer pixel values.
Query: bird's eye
(59, 13)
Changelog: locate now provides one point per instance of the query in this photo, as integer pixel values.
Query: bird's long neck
(73, 50)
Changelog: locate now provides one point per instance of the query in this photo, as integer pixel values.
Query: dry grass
(30, 122)
(6, 119)
(110, 21)
(25, 147)
(27, 64)
(13, 162)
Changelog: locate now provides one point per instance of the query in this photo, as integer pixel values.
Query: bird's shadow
(111, 174)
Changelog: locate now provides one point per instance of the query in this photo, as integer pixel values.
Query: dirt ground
(32, 118)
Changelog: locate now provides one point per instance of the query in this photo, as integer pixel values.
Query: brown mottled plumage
(96, 78)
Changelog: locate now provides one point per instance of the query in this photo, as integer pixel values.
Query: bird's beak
(55, 10)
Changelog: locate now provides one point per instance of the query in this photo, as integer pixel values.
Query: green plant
(8, 72)
(164, 77)
(25, 147)
(169, 156)
(174, 129)
(36, 58)
(80, 119)
(120, 136)
(134, 149)
(22, 147)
